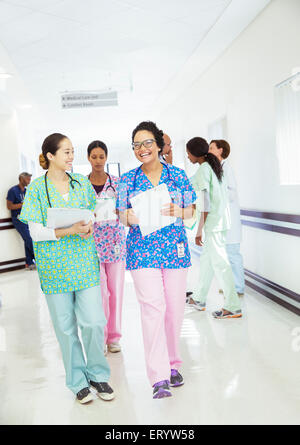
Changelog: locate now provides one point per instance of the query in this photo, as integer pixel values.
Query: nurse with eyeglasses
(159, 261)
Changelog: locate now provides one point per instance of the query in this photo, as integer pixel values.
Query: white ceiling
(134, 46)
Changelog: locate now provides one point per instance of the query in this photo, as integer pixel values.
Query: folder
(62, 218)
(106, 209)
(147, 207)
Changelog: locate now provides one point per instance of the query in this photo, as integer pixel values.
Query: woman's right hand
(81, 228)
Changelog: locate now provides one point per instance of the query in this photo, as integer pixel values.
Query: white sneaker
(114, 347)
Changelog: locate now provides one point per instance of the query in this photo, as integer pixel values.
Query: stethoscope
(110, 186)
(71, 184)
(164, 165)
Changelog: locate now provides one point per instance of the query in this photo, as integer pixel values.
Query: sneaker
(176, 378)
(114, 347)
(240, 294)
(32, 267)
(84, 396)
(187, 295)
(220, 314)
(196, 304)
(104, 391)
(161, 390)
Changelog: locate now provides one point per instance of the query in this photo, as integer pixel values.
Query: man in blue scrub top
(14, 201)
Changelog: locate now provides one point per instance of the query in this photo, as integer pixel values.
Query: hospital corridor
(149, 214)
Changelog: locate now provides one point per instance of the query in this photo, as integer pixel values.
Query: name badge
(180, 250)
(117, 249)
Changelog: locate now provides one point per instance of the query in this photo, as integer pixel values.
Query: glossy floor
(244, 371)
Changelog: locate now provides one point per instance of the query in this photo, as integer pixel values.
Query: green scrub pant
(214, 260)
(81, 309)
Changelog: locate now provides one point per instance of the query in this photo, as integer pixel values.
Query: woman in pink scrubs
(110, 241)
(159, 261)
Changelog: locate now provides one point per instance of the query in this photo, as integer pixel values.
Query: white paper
(147, 207)
(106, 209)
(62, 218)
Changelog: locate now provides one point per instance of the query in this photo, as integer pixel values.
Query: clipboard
(62, 217)
(106, 209)
(147, 207)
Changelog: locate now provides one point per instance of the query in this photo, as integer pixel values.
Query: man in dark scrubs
(14, 201)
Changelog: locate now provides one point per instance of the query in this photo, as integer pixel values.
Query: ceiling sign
(88, 99)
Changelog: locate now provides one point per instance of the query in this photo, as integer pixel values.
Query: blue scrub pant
(236, 261)
(24, 232)
(80, 309)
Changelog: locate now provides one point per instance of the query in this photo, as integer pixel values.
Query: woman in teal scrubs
(68, 269)
(215, 222)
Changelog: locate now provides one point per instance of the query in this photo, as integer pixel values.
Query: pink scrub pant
(161, 294)
(112, 288)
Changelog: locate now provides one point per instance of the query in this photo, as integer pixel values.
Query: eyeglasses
(147, 144)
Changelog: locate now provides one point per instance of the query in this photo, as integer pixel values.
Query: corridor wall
(240, 86)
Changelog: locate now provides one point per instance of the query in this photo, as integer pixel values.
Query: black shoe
(104, 391)
(187, 296)
(84, 395)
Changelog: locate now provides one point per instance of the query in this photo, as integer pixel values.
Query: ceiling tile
(10, 12)
(88, 11)
(38, 5)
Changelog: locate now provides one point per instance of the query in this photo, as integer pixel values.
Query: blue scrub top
(159, 249)
(16, 196)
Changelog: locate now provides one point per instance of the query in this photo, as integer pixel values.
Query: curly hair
(152, 128)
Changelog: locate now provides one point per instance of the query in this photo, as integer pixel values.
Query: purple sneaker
(176, 378)
(161, 389)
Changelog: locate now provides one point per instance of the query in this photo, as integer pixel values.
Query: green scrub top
(71, 263)
(218, 218)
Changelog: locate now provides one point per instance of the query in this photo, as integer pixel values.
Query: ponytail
(215, 165)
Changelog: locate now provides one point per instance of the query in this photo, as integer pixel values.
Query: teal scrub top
(71, 263)
(218, 218)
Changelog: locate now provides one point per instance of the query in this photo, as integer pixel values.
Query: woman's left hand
(172, 210)
(90, 227)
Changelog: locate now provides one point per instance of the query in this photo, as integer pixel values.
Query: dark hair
(152, 128)
(221, 143)
(96, 144)
(50, 145)
(198, 147)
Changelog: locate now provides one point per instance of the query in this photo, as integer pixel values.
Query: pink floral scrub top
(159, 249)
(109, 234)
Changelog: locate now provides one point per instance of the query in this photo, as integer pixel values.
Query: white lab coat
(234, 234)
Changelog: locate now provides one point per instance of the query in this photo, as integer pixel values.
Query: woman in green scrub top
(68, 269)
(215, 222)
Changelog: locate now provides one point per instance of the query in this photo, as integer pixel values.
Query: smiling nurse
(159, 261)
(68, 269)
